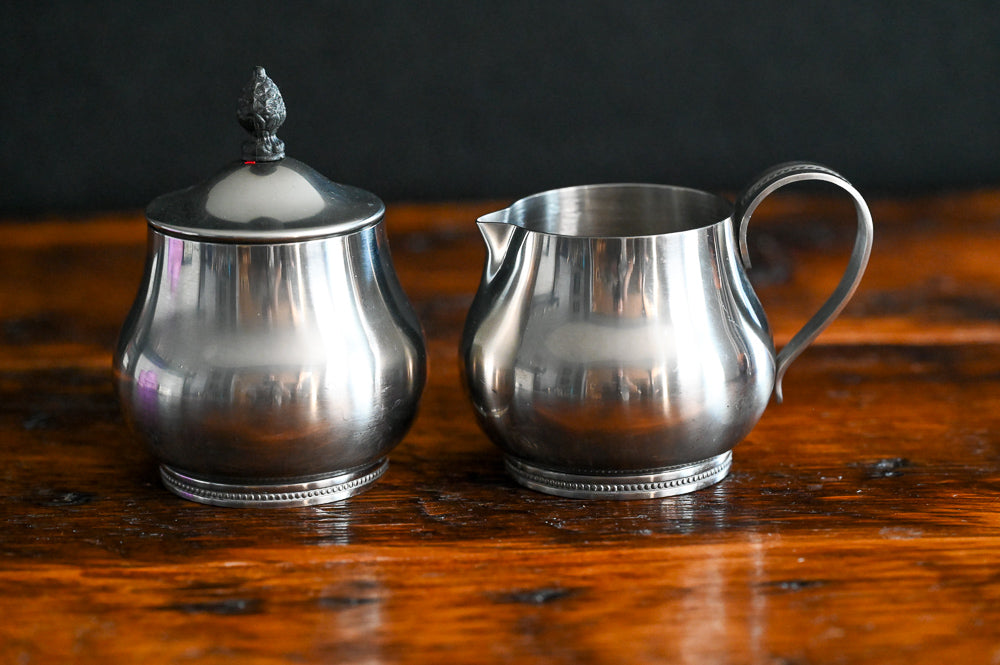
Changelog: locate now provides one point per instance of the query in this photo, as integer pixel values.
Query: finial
(261, 111)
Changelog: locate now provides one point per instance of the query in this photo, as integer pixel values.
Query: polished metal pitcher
(615, 348)
(271, 357)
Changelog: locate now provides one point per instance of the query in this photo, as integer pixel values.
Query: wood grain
(861, 523)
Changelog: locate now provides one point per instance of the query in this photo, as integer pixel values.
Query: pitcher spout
(498, 217)
(497, 233)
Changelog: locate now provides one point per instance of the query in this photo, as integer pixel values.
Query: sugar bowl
(271, 357)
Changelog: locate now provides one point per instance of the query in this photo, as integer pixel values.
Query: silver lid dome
(265, 196)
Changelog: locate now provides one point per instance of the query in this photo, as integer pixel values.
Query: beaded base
(650, 484)
(310, 493)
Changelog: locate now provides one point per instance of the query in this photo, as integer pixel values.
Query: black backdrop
(107, 104)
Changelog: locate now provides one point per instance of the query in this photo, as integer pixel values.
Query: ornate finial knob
(261, 111)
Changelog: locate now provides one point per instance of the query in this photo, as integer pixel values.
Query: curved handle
(776, 178)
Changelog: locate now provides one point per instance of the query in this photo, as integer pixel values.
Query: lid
(265, 196)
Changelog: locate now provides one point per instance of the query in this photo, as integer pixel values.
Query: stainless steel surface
(277, 495)
(253, 365)
(669, 481)
(774, 179)
(260, 203)
(615, 340)
(271, 357)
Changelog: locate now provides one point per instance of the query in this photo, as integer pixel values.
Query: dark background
(108, 104)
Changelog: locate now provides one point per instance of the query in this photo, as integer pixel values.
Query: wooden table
(859, 524)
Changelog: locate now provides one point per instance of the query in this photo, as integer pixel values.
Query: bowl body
(272, 374)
